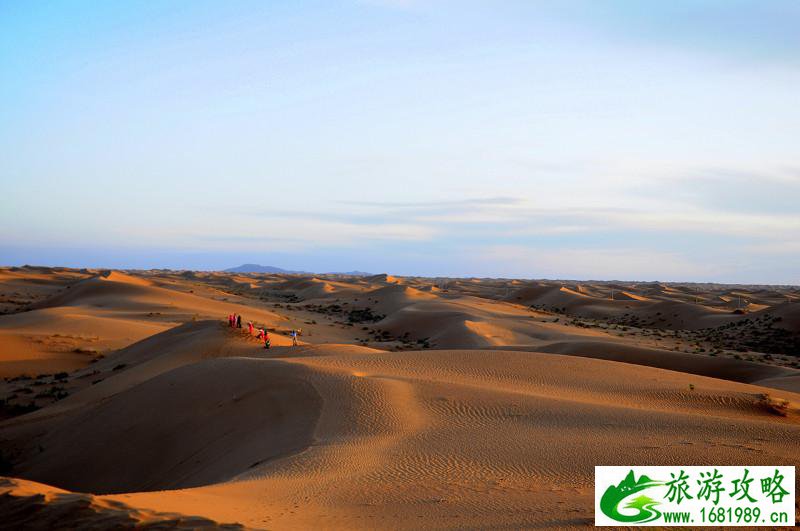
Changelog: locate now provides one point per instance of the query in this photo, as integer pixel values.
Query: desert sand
(409, 403)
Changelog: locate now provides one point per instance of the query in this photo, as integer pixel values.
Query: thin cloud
(619, 263)
(436, 205)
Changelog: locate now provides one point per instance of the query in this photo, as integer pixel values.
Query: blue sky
(563, 139)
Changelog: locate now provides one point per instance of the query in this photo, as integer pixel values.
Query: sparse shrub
(774, 405)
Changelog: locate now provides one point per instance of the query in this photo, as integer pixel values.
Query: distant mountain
(255, 268)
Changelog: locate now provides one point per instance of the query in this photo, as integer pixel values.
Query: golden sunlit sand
(408, 403)
(508, 153)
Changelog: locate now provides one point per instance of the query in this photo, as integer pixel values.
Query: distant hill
(256, 268)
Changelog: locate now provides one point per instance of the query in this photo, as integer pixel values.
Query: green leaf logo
(645, 506)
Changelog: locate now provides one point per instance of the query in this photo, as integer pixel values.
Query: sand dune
(383, 278)
(99, 314)
(55, 339)
(724, 368)
(627, 296)
(789, 314)
(31, 505)
(400, 436)
(22, 286)
(216, 419)
(410, 403)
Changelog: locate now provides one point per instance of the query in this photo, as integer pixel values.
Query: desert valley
(126, 399)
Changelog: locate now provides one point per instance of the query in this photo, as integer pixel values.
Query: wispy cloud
(615, 263)
(438, 206)
(309, 233)
(652, 133)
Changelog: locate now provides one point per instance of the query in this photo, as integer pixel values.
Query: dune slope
(448, 438)
(30, 505)
(409, 403)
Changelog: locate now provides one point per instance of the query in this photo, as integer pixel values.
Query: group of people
(235, 321)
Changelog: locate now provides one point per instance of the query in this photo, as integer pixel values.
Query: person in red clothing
(250, 327)
(266, 339)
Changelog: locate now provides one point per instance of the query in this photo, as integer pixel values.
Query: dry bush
(774, 405)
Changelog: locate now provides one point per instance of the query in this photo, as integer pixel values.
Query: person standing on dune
(266, 339)
(250, 327)
(293, 335)
(238, 321)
